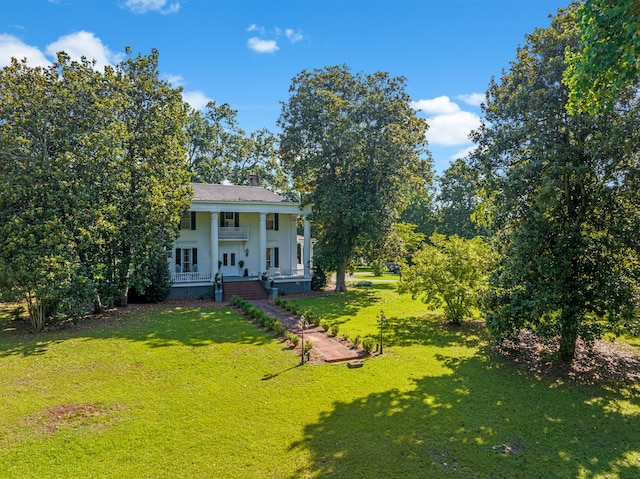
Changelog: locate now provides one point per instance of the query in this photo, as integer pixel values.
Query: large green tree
(565, 201)
(92, 180)
(457, 201)
(218, 150)
(607, 59)
(354, 147)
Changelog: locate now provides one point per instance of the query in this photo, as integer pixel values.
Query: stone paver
(329, 349)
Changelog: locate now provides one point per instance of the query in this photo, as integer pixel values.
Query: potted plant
(241, 264)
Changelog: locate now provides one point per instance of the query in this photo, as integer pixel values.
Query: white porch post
(214, 245)
(263, 242)
(306, 257)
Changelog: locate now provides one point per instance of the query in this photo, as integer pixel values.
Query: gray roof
(207, 192)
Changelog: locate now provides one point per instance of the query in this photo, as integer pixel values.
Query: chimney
(253, 180)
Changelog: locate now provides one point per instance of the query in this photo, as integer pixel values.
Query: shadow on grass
(432, 330)
(157, 326)
(483, 420)
(335, 305)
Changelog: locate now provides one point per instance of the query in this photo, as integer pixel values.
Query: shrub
(293, 339)
(318, 279)
(334, 329)
(325, 325)
(357, 340)
(368, 344)
(307, 346)
(378, 267)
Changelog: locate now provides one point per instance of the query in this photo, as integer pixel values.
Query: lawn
(201, 392)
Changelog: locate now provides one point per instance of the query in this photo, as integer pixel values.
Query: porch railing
(190, 277)
(231, 233)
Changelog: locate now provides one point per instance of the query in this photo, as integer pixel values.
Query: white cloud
(144, 6)
(441, 105)
(255, 28)
(175, 80)
(294, 37)
(473, 99)
(452, 129)
(464, 153)
(259, 45)
(80, 44)
(196, 99)
(11, 46)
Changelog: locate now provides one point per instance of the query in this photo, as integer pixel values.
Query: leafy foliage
(607, 58)
(564, 199)
(354, 147)
(92, 180)
(218, 150)
(450, 272)
(457, 201)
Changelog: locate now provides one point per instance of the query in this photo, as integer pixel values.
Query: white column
(293, 242)
(263, 243)
(306, 257)
(214, 245)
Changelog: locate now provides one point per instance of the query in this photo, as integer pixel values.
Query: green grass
(201, 392)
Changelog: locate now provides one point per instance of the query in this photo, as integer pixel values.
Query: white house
(235, 233)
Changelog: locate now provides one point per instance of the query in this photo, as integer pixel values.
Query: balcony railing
(190, 277)
(232, 233)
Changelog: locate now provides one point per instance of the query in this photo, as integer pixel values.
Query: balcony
(227, 233)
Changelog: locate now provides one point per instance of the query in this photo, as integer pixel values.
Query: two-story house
(235, 233)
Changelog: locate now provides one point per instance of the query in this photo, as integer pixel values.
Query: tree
(354, 147)
(451, 272)
(564, 192)
(607, 59)
(218, 150)
(92, 180)
(400, 244)
(457, 201)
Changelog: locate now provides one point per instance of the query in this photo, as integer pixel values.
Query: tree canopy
(607, 59)
(218, 150)
(355, 148)
(564, 193)
(93, 179)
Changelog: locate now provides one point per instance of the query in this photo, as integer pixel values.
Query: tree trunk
(568, 336)
(341, 286)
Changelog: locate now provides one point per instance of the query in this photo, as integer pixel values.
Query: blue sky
(245, 52)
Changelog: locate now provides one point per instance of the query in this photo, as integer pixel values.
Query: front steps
(248, 290)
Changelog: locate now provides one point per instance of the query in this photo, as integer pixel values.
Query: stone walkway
(327, 348)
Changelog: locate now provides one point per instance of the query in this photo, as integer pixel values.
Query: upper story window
(272, 221)
(229, 219)
(188, 220)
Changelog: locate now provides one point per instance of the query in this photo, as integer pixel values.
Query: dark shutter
(221, 219)
(194, 258)
(236, 219)
(193, 220)
(276, 257)
(178, 256)
(275, 221)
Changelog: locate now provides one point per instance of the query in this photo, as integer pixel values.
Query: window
(299, 253)
(229, 219)
(186, 260)
(188, 220)
(272, 221)
(273, 258)
(228, 259)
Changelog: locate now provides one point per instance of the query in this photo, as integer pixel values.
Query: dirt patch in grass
(602, 362)
(75, 416)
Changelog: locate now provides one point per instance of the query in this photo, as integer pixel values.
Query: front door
(229, 258)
